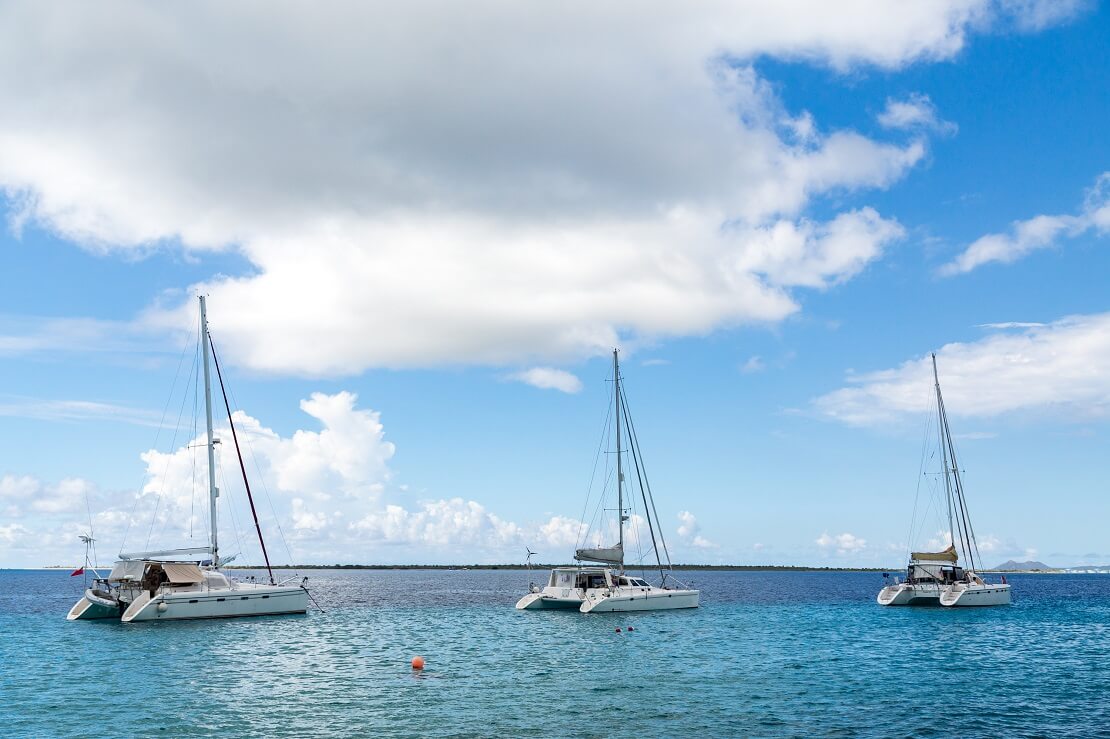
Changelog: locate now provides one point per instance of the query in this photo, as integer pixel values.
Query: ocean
(768, 654)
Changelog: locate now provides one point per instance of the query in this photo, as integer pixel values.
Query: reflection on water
(767, 654)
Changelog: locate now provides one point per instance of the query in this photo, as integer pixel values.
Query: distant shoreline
(538, 566)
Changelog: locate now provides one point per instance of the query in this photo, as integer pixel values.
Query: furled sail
(608, 555)
(948, 555)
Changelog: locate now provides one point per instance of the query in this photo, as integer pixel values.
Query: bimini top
(177, 573)
(948, 555)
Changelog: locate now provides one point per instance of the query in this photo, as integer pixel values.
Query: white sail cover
(948, 555)
(608, 555)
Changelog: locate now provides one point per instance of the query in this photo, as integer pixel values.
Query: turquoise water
(768, 654)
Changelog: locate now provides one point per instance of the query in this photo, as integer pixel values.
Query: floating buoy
(418, 663)
(618, 629)
(631, 629)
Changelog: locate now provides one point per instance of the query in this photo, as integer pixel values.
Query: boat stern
(895, 595)
(963, 595)
(91, 607)
(545, 602)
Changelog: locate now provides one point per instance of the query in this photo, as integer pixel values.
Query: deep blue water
(767, 654)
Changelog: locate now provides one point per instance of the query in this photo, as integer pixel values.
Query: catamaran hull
(964, 596)
(262, 601)
(662, 600)
(955, 596)
(86, 609)
(908, 595)
(543, 602)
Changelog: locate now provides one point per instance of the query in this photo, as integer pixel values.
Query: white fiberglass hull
(245, 600)
(620, 600)
(963, 595)
(92, 607)
(905, 594)
(547, 601)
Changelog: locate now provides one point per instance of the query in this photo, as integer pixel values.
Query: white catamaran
(609, 588)
(934, 578)
(187, 583)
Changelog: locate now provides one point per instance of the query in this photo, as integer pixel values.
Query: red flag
(78, 571)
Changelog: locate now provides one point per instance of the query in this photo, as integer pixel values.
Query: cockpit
(578, 579)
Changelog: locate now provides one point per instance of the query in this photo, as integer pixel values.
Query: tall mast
(620, 474)
(213, 491)
(941, 425)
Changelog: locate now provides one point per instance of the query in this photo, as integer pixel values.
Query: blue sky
(775, 214)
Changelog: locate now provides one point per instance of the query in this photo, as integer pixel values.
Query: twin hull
(616, 600)
(246, 600)
(952, 596)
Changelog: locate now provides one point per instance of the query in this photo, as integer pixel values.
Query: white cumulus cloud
(410, 193)
(325, 492)
(1060, 368)
(842, 544)
(688, 531)
(914, 112)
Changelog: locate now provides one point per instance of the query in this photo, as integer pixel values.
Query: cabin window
(562, 579)
(625, 581)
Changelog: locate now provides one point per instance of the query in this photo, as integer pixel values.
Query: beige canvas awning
(948, 555)
(182, 574)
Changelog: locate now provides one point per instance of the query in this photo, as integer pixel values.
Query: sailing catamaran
(935, 577)
(187, 583)
(608, 588)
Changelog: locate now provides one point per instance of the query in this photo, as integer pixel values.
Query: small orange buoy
(418, 663)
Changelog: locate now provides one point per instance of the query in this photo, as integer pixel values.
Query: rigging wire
(157, 436)
(242, 466)
(193, 447)
(920, 476)
(228, 505)
(265, 488)
(645, 489)
(166, 471)
(583, 529)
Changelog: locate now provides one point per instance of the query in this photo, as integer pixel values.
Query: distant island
(1029, 566)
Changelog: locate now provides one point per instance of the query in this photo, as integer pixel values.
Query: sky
(422, 229)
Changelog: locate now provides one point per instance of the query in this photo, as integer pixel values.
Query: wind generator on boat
(608, 588)
(934, 578)
(180, 584)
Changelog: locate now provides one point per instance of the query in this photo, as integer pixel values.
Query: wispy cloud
(1038, 232)
(1061, 368)
(548, 378)
(75, 410)
(753, 364)
(1010, 324)
(31, 335)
